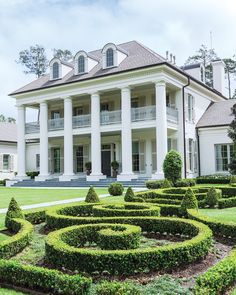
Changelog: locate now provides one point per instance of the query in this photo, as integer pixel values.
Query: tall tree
(7, 119)
(232, 136)
(205, 56)
(34, 60)
(63, 54)
(230, 70)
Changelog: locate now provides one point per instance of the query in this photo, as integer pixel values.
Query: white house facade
(124, 103)
(8, 150)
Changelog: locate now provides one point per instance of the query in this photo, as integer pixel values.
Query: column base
(42, 177)
(158, 175)
(126, 177)
(95, 177)
(67, 177)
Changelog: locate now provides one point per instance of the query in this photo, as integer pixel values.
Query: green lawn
(4, 291)
(25, 196)
(228, 214)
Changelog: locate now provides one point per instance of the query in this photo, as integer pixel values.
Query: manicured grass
(228, 214)
(25, 196)
(4, 291)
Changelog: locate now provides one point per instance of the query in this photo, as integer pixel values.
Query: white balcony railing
(113, 117)
(56, 124)
(172, 115)
(143, 113)
(82, 121)
(32, 127)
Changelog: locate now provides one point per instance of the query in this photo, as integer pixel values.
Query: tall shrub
(189, 202)
(129, 195)
(92, 196)
(172, 166)
(14, 211)
(212, 197)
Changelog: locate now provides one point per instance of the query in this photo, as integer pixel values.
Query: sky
(177, 26)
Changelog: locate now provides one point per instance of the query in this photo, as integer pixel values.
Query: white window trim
(228, 156)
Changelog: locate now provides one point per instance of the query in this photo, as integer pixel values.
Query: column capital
(43, 103)
(161, 83)
(66, 97)
(20, 107)
(95, 93)
(125, 88)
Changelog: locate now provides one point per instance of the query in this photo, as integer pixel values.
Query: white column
(96, 173)
(180, 135)
(126, 136)
(21, 143)
(68, 141)
(43, 120)
(161, 128)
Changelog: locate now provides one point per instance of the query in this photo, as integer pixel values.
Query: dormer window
(55, 70)
(110, 57)
(81, 64)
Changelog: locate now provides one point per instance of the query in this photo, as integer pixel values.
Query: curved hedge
(222, 229)
(216, 279)
(61, 250)
(42, 279)
(19, 241)
(126, 209)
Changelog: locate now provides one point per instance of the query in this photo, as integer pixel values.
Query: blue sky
(178, 26)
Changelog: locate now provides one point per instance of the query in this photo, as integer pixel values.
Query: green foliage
(185, 182)
(35, 216)
(213, 179)
(92, 196)
(115, 165)
(117, 288)
(189, 201)
(212, 197)
(129, 195)
(172, 166)
(233, 179)
(227, 203)
(63, 54)
(14, 211)
(32, 174)
(19, 241)
(42, 279)
(218, 278)
(7, 119)
(67, 252)
(155, 184)
(219, 228)
(115, 189)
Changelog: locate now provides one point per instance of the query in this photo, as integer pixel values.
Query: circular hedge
(128, 209)
(65, 247)
(83, 213)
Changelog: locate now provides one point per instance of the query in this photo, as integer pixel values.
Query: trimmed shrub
(185, 182)
(42, 279)
(19, 241)
(35, 216)
(62, 247)
(116, 189)
(214, 178)
(227, 203)
(117, 288)
(189, 201)
(172, 166)
(129, 195)
(14, 211)
(92, 196)
(155, 184)
(218, 278)
(233, 179)
(219, 228)
(212, 197)
(32, 174)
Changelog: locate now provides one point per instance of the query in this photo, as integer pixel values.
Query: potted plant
(115, 166)
(88, 166)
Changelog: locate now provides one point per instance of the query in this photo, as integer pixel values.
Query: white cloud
(179, 26)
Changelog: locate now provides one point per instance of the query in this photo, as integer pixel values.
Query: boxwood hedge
(62, 252)
(216, 279)
(222, 229)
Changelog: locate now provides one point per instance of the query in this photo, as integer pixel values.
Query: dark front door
(106, 163)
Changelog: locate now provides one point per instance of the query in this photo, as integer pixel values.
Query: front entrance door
(106, 163)
(57, 160)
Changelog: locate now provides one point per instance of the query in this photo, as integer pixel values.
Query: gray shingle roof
(218, 113)
(8, 132)
(138, 56)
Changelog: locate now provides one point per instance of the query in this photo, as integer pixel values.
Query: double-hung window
(223, 155)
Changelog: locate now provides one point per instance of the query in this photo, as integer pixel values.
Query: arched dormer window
(110, 57)
(81, 64)
(55, 70)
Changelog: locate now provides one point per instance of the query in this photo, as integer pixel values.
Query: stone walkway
(61, 202)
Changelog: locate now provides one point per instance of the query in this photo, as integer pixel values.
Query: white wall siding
(9, 149)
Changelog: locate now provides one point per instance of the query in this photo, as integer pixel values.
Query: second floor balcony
(146, 113)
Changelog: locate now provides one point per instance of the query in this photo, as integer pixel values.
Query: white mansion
(124, 103)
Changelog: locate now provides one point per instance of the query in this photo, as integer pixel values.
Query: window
(223, 156)
(190, 106)
(55, 70)
(6, 162)
(79, 154)
(104, 106)
(81, 64)
(135, 156)
(55, 115)
(37, 161)
(77, 111)
(109, 57)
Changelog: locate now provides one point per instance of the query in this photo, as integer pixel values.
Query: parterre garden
(154, 242)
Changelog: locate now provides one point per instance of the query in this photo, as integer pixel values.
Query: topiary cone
(14, 211)
(129, 195)
(189, 201)
(92, 196)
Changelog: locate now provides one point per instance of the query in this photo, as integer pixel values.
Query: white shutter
(62, 159)
(11, 164)
(86, 155)
(1, 162)
(187, 154)
(194, 113)
(142, 157)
